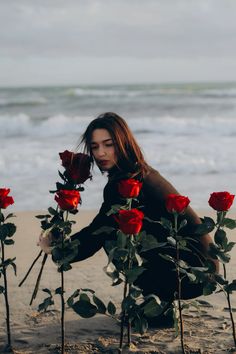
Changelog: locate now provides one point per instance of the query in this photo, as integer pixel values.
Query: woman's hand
(45, 241)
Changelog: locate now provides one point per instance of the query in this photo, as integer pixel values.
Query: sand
(206, 331)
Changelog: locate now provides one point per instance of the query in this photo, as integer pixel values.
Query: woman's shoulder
(155, 183)
(151, 175)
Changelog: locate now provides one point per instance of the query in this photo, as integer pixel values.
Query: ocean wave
(13, 102)
(57, 125)
(172, 126)
(194, 164)
(22, 125)
(100, 93)
(152, 90)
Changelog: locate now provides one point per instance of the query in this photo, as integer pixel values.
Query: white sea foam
(23, 125)
(186, 132)
(105, 93)
(187, 126)
(22, 99)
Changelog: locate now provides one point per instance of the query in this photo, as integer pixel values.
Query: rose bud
(176, 203)
(67, 199)
(129, 188)
(221, 201)
(5, 200)
(130, 221)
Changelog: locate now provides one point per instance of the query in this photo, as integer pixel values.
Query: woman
(112, 146)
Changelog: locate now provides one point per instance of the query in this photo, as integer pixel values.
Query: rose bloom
(221, 201)
(129, 188)
(77, 166)
(67, 199)
(130, 221)
(176, 203)
(5, 200)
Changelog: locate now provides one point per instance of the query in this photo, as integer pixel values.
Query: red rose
(66, 158)
(176, 203)
(67, 199)
(5, 200)
(77, 166)
(221, 201)
(129, 188)
(130, 221)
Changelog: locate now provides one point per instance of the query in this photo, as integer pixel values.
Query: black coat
(159, 277)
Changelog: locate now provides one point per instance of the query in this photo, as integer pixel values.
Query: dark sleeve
(157, 189)
(89, 242)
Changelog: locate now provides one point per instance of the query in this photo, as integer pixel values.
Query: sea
(187, 132)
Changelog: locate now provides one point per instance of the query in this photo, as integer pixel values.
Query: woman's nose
(101, 151)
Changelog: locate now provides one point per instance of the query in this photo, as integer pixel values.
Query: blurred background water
(187, 131)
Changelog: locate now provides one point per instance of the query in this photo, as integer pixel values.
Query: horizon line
(143, 83)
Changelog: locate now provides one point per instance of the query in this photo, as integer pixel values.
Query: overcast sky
(116, 41)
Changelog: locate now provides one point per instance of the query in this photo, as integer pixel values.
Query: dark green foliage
(47, 302)
(2, 218)
(101, 308)
(86, 304)
(229, 223)
(2, 289)
(9, 242)
(132, 274)
(106, 229)
(111, 309)
(152, 308)
(7, 230)
(84, 308)
(52, 211)
(231, 287)
(114, 209)
(208, 225)
(167, 224)
(140, 324)
(220, 238)
(6, 263)
(149, 242)
(63, 253)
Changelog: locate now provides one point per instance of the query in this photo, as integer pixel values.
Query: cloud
(58, 41)
(124, 28)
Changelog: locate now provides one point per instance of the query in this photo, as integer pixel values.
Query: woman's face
(103, 149)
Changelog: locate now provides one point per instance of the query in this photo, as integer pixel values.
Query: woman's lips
(103, 162)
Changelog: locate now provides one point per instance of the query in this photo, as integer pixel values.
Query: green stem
(129, 267)
(126, 291)
(36, 288)
(230, 307)
(129, 332)
(6, 298)
(123, 317)
(179, 283)
(62, 296)
(62, 314)
(129, 204)
(221, 217)
(30, 268)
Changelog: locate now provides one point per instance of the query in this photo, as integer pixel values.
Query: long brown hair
(129, 155)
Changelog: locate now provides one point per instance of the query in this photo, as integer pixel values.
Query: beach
(207, 330)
